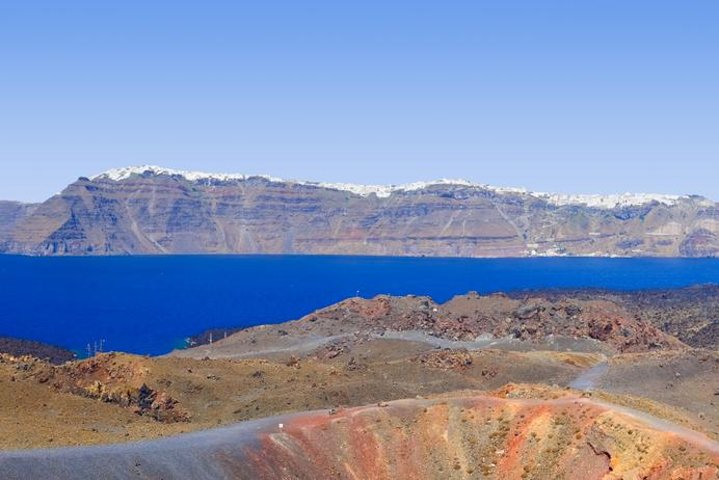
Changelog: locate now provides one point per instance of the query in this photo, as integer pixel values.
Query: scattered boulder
(446, 359)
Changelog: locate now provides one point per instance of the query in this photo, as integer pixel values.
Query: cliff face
(10, 214)
(157, 211)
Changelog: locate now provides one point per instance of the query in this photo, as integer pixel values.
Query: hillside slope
(11, 213)
(481, 436)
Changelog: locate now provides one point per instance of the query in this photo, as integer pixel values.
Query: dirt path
(188, 456)
(589, 378)
(665, 426)
(221, 453)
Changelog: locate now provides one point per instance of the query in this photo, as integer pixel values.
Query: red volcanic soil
(519, 432)
(483, 437)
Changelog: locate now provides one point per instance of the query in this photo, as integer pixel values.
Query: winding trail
(589, 378)
(225, 453)
(665, 426)
(188, 456)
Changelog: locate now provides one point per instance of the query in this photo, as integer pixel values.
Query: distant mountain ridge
(383, 191)
(154, 210)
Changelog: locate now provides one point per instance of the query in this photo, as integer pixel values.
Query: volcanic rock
(150, 210)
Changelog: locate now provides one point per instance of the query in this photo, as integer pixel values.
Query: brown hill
(19, 347)
(118, 397)
(470, 321)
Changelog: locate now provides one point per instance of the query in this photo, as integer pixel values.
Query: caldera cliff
(151, 210)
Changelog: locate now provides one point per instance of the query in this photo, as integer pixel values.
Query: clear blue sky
(573, 96)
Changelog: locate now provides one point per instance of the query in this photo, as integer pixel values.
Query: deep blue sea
(149, 305)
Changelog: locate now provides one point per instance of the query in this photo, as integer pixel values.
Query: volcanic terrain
(532, 385)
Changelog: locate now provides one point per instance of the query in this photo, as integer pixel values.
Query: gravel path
(220, 453)
(206, 455)
(589, 378)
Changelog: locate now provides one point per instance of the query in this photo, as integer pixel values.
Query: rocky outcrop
(465, 320)
(447, 359)
(533, 319)
(111, 378)
(690, 314)
(156, 211)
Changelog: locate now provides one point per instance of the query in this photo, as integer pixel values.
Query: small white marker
(281, 426)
